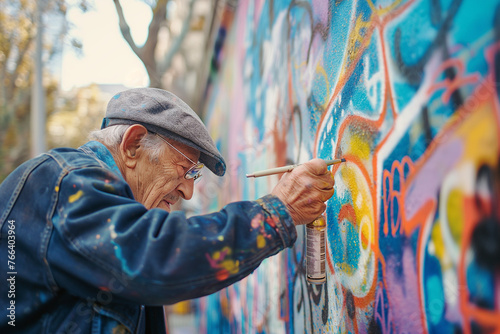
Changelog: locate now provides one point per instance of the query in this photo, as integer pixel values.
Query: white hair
(113, 135)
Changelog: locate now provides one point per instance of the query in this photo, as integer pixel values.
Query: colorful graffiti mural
(407, 91)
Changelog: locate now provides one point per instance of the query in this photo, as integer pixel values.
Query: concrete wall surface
(407, 91)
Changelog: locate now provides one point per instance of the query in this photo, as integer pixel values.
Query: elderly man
(90, 244)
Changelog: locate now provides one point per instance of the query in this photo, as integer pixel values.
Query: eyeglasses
(194, 172)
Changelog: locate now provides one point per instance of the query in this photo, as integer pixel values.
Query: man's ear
(130, 147)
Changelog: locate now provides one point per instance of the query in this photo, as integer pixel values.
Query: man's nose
(186, 188)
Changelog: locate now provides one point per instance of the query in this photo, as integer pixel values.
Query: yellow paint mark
(109, 188)
(356, 37)
(480, 131)
(232, 266)
(359, 147)
(347, 269)
(75, 197)
(362, 205)
(455, 214)
(119, 329)
(216, 255)
(220, 238)
(261, 241)
(301, 65)
(56, 189)
(363, 209)
(437, 238)
(365, 231)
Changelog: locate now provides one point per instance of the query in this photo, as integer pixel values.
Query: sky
(106, 57)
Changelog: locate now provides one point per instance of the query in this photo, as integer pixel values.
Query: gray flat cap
(164, 113)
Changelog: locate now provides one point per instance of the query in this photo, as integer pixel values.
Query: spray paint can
(316, 251)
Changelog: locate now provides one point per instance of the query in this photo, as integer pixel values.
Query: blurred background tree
(176, 55)
(178, 46)
(17, 39)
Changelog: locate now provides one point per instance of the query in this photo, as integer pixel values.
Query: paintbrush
(286, 169)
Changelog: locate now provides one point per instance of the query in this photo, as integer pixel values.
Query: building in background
(80, 111)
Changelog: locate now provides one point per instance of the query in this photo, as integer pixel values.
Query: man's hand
(305, 190)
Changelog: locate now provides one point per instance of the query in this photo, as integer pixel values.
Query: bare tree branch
(175, 46)
(159, 17)
(155, 68)
(146, 53)
(125, 29)
(149, 48)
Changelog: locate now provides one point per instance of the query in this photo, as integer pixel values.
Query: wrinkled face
(161, 183)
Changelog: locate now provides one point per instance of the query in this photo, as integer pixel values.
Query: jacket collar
(100, 152)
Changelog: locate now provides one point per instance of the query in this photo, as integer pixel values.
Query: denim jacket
(80, 255)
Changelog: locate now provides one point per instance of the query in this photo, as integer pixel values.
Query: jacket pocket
(118, 319)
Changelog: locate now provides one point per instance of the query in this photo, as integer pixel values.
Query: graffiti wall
(407, 91)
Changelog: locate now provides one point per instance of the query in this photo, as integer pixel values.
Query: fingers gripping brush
(315, 232)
